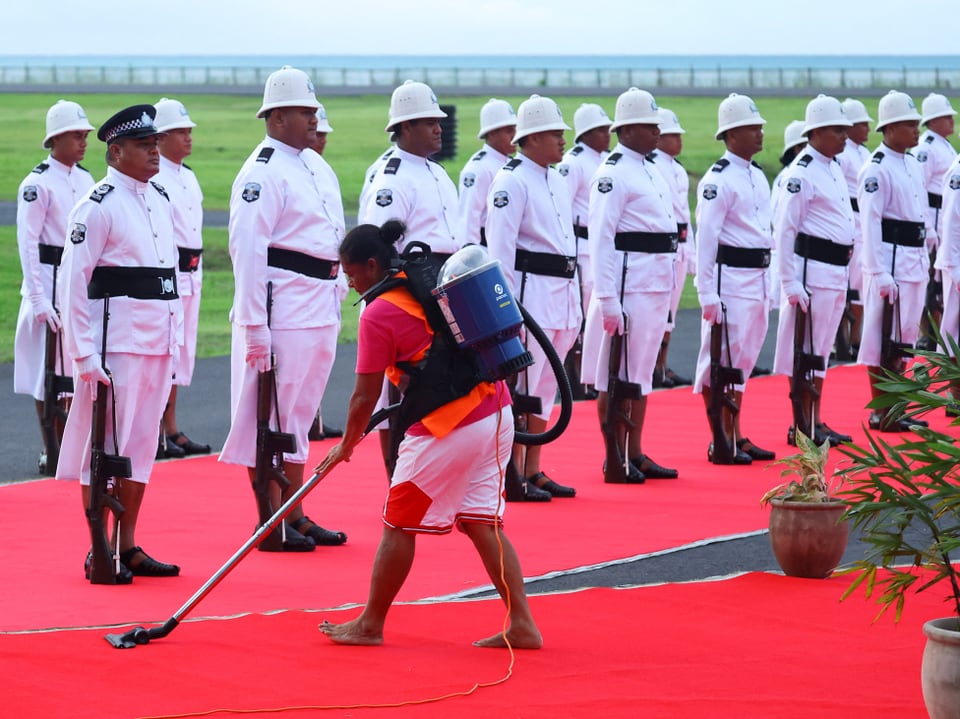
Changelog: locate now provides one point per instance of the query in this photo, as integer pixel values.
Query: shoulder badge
(187, 166)
(929, 139)
(871, 184)
(393, 164)
(384, 198)
(577, 149)
(564, 169)
(710, 191)
(469, 179)
(805, 160)
(756, 164)
(513, 164)
(78, 233)
(501, 198)
(100, 192)
(605, 184)
(251, 192)
(614, 158)
(479, 156)
(877, 157)
(719, 166)
(159, 188)
(955, 182)
(41, 168)
(651, 157)
(265, 155)
(793, 185)
(29, 193)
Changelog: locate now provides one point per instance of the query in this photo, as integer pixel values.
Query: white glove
(932, 240)
(711, 308)
(43, 311)
(887, 287)
(257, 341)
(796, 295)
(90, 369)
(612, 314)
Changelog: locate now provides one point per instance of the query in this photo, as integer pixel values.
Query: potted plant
(807, 535)
(904, 498)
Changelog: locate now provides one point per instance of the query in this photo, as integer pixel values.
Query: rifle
(616, 421)
(105, 472)
(722, 379)
(803, 391)
(54, 384)
(271, 444)
(893, 352)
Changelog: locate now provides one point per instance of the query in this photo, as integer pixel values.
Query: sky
(480, 27)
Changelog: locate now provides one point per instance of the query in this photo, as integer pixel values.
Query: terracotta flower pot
(807, 538)
(940, 671)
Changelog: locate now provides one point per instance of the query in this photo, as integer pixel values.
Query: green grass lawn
(227, 131)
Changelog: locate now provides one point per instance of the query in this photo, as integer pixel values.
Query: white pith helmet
(288, 87)
(65, 116)
(635, 107)
(935, 105)
(737, 111)
(495, 114)
(589, 116)
(895, 106)
(793, 135)
(856, 111)
(538, 114)
(323, 124)
(172, 115)
(825, 111)
(413, 101)
(670, 123)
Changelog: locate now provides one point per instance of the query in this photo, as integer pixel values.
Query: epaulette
(805, 160)
(614, 158)
(393, 164)
(577, 149)
(159, 188)
(265, 155)
(929, 139)
(513, 164)
(100, 192)
(387, 154)
(81, 167)
(756, 164)
(720, 165)
(187, 166)
(41, 168)
(651, 157)
(479, 156)
(877, 157)
(678, 162)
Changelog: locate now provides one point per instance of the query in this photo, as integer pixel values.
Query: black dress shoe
(533, 493)
(632, 476)
(677, 380)
(881, 423)
(819, 437)
(289, 540)
(652, 470)
(320, 536)
(172, 450)
(755, 452)
(186, 444)
(148, 566)
(835, 437)
(319, 431)
(124, 576)
(759, 372)
(739, 457)
(542, 481)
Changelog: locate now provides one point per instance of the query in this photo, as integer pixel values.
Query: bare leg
(535, 425)
(131, 497)
(390, 569)
(43, 433)
(638, 410)
(169, 419)
(505, 573)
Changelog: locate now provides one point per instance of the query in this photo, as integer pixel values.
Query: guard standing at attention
(176, 143)
(44, 200)
(498, 122)
(286, 223)
(530, 230)
(122, 251)
(633, 245)
(733, 257)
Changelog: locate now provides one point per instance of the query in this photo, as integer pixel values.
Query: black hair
(366, 242)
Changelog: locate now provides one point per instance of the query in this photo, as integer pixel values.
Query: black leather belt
(189, 259)
(681, 232)
(934, 200)
(650, 242)
(755, 257)
(50, 254)
(854, 204)
(545, 263)
(302, 263)
(902, 232)
(581, 232)
(822, 250)
(140, 283)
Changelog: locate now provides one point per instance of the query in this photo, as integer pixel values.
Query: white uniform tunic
(733, 209)
(853, 157)
(186, 198)
(815, 202)
(686, 263)
(891, 187)
(934, 153)
(419, 193)
(529, 210)
(368, 179)
(44, 200)
(475, 179)
(579, 164)
(286, 199)
(122, 223)
(948, 254)
(627, 194)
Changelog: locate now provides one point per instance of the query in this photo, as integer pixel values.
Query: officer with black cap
(121, 241)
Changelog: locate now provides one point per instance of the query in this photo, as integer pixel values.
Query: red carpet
(198, 512)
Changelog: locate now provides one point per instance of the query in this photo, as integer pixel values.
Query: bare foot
(520, 638)
(351, 633)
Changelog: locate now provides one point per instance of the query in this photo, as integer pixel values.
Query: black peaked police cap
(135, 121)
